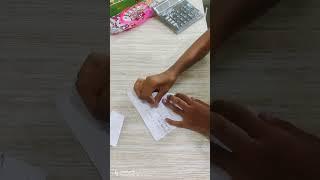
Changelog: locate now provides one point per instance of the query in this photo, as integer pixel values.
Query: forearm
(195, 53)
(229, 16)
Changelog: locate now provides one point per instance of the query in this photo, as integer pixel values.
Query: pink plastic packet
(130, 18)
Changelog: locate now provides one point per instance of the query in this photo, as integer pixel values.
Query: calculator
(178, 15)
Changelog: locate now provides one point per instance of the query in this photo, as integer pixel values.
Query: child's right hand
(160, 83)
(195, 113)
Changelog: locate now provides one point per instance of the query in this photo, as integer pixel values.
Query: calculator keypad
(181, 16)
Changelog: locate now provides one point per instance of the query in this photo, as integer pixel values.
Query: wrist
(184, 62)
(172, 73)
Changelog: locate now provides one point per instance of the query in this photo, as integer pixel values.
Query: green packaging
(117, 6)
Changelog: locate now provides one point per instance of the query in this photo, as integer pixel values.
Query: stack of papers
(154, 117)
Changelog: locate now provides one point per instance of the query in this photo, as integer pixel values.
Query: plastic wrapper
(131, 18)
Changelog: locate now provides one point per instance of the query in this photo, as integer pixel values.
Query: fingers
(184, 97)
(144, 91)
(177, 102)
(200, 102)
(173, 107)
(159, 96)
(138, 86)
(149, 99)
(230, 134)
(242, 117)
(175, 123)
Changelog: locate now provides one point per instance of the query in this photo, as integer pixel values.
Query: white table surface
(146, 50)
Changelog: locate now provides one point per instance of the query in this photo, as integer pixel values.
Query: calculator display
(178, 15)
(164, 5)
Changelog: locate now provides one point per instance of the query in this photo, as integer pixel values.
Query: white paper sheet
(12, 169)
(116, 122)
(89, 132)
(154, 118)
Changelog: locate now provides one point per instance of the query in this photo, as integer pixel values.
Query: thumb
(159, 96)
(146, 93)
(149, 99)
(175, 123)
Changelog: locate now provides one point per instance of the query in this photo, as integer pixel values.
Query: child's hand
(195, 113)
(92, 84)
(160, 83)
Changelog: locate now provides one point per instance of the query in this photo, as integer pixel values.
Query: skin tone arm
(162, 82)
(228, 18)
(195, 53)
